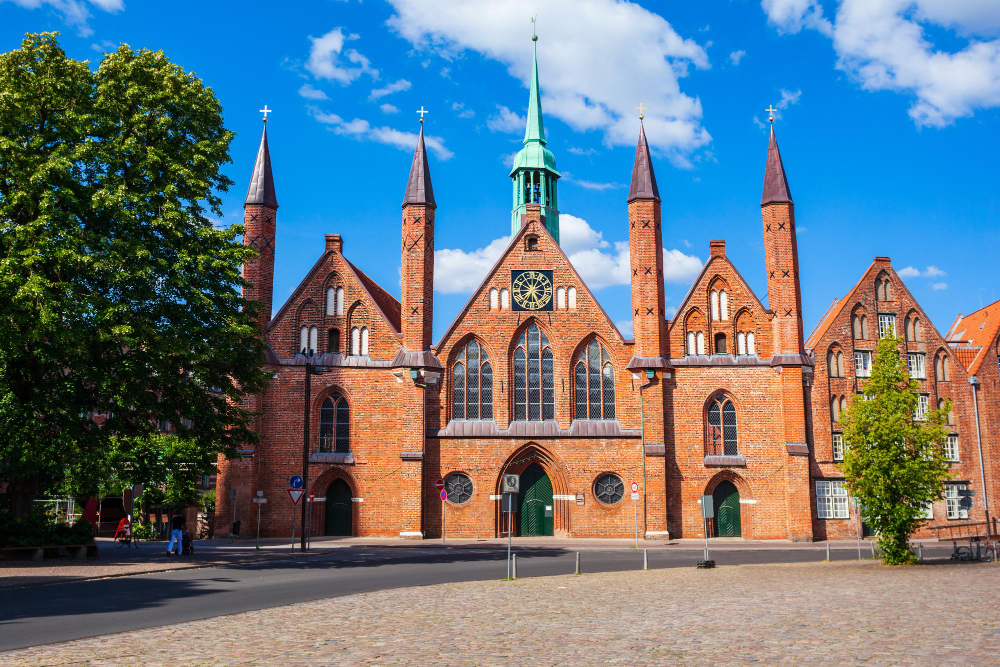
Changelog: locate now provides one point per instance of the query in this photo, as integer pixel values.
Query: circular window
(609, 488)
(459, 487)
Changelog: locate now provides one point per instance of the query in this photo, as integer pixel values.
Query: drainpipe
(974, 381)
(422, 386)
(650, 374)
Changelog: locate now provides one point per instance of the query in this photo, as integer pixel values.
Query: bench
(79, 551)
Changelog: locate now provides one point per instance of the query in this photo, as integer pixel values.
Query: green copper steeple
(534, 171)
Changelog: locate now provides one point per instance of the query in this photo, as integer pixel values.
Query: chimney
(335, 242)
(717, 248)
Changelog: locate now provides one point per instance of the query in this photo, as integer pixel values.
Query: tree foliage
(893, 463)
(118, 296)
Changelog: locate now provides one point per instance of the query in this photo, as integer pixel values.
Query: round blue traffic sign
(295, 482)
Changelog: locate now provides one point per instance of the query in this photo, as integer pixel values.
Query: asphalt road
(74, 610)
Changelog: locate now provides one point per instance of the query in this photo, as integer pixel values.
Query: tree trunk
(22, 494)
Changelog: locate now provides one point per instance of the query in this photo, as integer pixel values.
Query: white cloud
(907, 46)
(589, 185)
(362, 129)
(395, 87)
(104, 47)
(462, 111)
(913, 272)
(908, 272)
(583, 151)
(460, 272)
(325, 59)
(789, 97)
(736, 56)
(625, 327)
(939, 286)
(598, 262)
(933, 272)
(388, 108)
(310, 92)
(74, 13)
(581, 85)
(506, 120)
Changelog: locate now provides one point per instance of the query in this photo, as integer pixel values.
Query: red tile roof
(385, 302)
(976, 331)
(834, 310)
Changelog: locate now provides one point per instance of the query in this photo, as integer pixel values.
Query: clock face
(532, 290)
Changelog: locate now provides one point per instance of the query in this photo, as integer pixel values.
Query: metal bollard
(827, 552)
(645, 559)
(920, 552)
(873, 549)
(513, 564)
(577, 563)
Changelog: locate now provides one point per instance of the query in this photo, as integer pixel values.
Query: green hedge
(38, 531)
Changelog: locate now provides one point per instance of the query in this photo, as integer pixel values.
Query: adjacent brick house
(534, 378)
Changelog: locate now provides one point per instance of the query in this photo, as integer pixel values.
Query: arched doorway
(727, 510)
(534, 503)
(338, 509)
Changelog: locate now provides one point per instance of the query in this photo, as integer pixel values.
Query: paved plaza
(808, 613)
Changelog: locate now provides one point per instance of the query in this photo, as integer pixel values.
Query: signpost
(510, 487)
(707, 512)
(635, 511)
(444, 496)
(295, 493)
(260, 500)
(295, 482)
(857, 514)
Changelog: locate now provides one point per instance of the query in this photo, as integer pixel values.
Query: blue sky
(887, 125)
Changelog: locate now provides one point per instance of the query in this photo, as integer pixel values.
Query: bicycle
(986, 554)
(123, 534)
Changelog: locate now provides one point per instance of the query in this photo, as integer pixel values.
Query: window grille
(831, 500)
(609, 489)
(838, 447)
(951, 448)
(723, 434)
(594, 380)
(915, 365)
(335, 425)
(472, 383)
(534, 376)
(458, 486)
(886, 325)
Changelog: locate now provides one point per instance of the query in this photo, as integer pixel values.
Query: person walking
(177, 533)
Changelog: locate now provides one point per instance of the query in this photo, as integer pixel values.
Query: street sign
(312, 497)
(509, 502)
(635, 487)
(295, 481)
(444, 495)
(635, 496)
(707, 507)
(295, 494)
(262, 501)
(439, 484)
(260, 494)
(511, 484)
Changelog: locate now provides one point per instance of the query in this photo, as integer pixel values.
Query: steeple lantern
(533, 173)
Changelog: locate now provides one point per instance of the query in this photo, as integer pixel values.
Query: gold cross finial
(266, 111)
(770, 111)
(422, 111)
(534, 37)
(641, 109)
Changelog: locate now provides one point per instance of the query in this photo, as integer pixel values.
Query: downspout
(974, 381)
(650, 374)
(422, 386)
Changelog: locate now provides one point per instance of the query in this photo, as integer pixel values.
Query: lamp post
(311, 369)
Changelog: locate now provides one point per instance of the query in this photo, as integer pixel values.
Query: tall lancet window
(594, 380)
(534, 376)
(472, 383)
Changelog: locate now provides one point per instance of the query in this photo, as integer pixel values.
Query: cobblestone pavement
(830, 613)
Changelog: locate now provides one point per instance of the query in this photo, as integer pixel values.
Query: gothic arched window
(534, 382)
(472, 383)
(335, 425)
(594, 377)
(723, 437)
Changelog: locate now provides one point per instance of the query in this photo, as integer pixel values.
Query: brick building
(533, 377)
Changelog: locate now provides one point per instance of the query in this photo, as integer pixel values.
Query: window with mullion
(534, 376)
(723, 434)
(594, 380)
(472, 383)
(335, 425)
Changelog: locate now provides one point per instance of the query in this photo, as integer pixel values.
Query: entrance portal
(338, 509)
(727, 510)
(534, 503)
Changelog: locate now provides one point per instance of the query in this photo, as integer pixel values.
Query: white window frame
(929, 510)
(741, 343)
(314, 339)
(504, 299)
(838, 446)
(751, 343)
(916, 364)
(690, 343)
(923, 406)
(355, 340)
(303, 338)
(561, 298)
(724, 304)
(340, 301)
(951, 448)
(700, 338)
(571, 298)
(862, 363)
(885, 320)
(714, 301)
(832, 500)
(953, 501)
(364, 341)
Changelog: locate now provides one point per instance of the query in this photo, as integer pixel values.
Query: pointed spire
(418, 187)
(643, 178)
(535, 130)
(261, 190)
(775, 184)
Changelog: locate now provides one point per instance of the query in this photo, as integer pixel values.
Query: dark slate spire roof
(643, 178)
(261, 189)
(418, 187)
(775, 184)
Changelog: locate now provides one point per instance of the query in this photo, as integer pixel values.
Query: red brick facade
(724, 393)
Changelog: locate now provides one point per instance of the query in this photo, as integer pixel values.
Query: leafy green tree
(118, 297)
(893, 463)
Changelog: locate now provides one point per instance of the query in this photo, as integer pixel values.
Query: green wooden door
(338, 508)
(534, 503)
(727, 510)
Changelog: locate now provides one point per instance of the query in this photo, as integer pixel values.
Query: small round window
(609, 488)
(459, 487)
